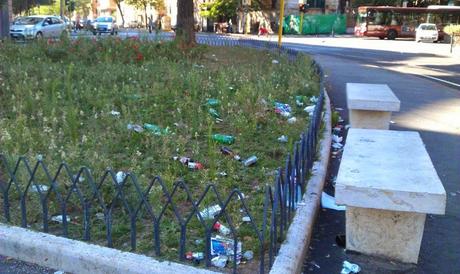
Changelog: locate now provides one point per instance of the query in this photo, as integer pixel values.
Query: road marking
(440, 80)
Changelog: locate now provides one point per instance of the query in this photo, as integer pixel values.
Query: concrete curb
(293, 250)
(80, 257)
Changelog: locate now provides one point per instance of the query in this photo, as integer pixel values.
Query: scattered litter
(115, 113)
(39, 188)
(309, 109)
(313, 263)
(222, 174)
(242, 196)
(198, 256)
(210, 212)
(337, 145)
(328, 201)
(120, 177)
(80, 179)
(246, 219)
(228, 151)
(100, 216)
(223, 139)
(59, 219)
(39, 157)
(250, 161)
(221, 228)
(339, 109)
(392, 122)
(275, 61)
(156, 130)
(299, 100)
(283, 139)
(213, 112)
(135, 127)
(340, 240)
(313, 99)
(195, 165)
(219, 261)
(283, 109)
(198, 241)
(224, 246)
(248, 255)
(337, 138)
(292, 120)
(212, 102)
(350, 268)
(198, 66)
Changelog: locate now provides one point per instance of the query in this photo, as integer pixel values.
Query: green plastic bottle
(212, 102)
(153, 129)
(223, 139)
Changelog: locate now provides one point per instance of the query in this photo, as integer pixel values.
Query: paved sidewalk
(433, 110)
(11, 266)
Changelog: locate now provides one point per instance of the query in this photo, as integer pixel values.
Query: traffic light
(303, 8)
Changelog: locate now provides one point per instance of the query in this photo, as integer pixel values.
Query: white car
(37, 26)
(105, 24)
(426, 32)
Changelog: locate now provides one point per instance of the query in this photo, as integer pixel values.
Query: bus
(393, 22)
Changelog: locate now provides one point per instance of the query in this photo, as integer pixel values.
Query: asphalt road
(429, 106)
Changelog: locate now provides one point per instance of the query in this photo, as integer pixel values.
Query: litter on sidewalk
(350, 268)
(328, 201)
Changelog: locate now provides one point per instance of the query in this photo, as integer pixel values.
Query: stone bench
(388, 183)
(370, 105)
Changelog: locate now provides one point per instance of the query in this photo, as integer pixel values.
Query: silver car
(37, 26)
(105, 24)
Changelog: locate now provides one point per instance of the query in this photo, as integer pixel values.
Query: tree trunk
(145, 14)
(185, 34)
(121, 13)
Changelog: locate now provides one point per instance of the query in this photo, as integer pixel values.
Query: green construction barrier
(315, 24)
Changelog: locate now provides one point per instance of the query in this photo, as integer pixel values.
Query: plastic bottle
(221, 228)
(250, 161)
(223, 139)
(213, 113)
(194, 165)
(212, 102)
(152, 128)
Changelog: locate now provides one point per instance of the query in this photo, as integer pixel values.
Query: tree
(142, 4)
(220, 10)
(118, 2)
(185, 33)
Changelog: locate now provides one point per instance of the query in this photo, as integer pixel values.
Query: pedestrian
(151, 24)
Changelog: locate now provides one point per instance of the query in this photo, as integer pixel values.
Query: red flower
(139, 57)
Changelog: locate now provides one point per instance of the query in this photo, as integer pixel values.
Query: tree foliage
(220, 10)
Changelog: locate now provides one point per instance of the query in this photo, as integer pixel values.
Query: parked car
(105, 24)
(427, 32)
(38, 26)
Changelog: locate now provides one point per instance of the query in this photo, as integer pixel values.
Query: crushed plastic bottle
(135, 127)
(60, 219)
(37, 188)
(210, 212)
(224, 246)
(120, 177)
(219, 261)
(214, 113)
(350, 268)
(115, 113)
(283, 139)
(292, 120)
(156, 130)
(221, 228)
(223, 139)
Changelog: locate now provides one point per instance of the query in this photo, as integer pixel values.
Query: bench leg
(392, 234)
(369, 119)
